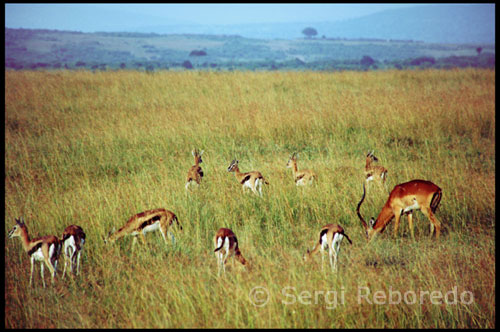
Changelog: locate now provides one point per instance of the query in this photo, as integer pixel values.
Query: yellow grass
(93, 149)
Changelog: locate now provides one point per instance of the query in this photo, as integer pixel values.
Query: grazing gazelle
(330, 237)
(45, 249)
(195, 173)
(374, 172)
(73, 239)
(403, 199)
(226, 245)
(252, 180)
(147, 221)
(302, 177)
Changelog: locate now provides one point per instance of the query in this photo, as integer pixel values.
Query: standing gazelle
(195, 173)
(403, 199)
(147, 221)
(226, 245)
(330, 237)
(252, 180)
(302, 177)
(45, 249)
(73, 239)
(374, 172)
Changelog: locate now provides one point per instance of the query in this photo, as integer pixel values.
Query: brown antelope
(252, 180)
(147, 221)
(73, 239)
(330, 237)
(403, 199)
(303, 177)
(45, 249)
(374, 172)
(226, 245)
(195, 173)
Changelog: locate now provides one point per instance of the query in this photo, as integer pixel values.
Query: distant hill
(444, 23)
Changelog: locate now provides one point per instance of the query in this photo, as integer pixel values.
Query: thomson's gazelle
(147, 221)
(374, 172)
(195, 173)
(226, 245)
(73, 239)
(45, 249)
(302, 177)
(252, 180)
(330, 237)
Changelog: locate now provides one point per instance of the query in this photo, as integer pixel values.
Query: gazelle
(73, 239)
(374, 172)
(45, 249)
(226, 245)
(195, 173)
(252, 180)
(330, 237)
(303, 177)
(147, 221)
(403, 199)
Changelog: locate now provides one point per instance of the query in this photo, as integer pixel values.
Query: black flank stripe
(35, 248)
(245, 179)
(149, 222)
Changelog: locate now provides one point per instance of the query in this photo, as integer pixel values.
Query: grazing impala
(330, 237)
(403, 199)
(226, 245)
(73, 239)
(195, 173)
(252, 180)
(147, 221)
(303, 177)
(45, 249)
(374, 172)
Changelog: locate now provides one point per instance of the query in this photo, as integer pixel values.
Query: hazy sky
(102, 17)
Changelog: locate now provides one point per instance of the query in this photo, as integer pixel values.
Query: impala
(303, 177)
(330, 237)
(195, 173)
(147, 221)
(45, 249)
(226, 245)
(403, 199)
(73, 239)
(252, 180)
(374, 172)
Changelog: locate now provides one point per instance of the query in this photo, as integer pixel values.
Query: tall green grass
(95, 148)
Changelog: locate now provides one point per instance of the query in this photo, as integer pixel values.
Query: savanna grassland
(93, 149)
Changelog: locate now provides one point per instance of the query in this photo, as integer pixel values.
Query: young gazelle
(330, 237)
(45, 249)
(302, 177)
(144, 222)
(404, 199)
(374, 172)
(73, 239)
(252, 180)
(226, 245)
(195, 173)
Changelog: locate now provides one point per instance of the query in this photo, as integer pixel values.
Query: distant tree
(197, 53)
(123, 65)
(80, 64)
(478, 50)
(367, 61)
(309, 32)
(187, 64)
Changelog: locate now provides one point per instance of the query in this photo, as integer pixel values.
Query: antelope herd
(402, 200)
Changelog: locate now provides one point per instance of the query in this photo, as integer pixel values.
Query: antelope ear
(193, 153)
(201, 152)
(371, 222)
